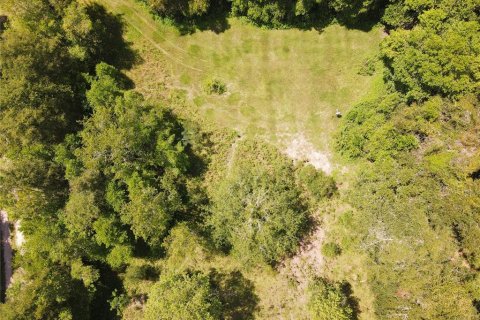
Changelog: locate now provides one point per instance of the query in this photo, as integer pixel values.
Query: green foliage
(137, 153)
(415, 205)
(215, 86)
(282, 13)
(398, 15)
(369, 133)
(140, 275)
(255, 206)
(186, 296)
(439, 56)
(45, 52)
(328, 302)
(182, 8)
(318, 185)
(404, 14)
(404, 226)
(185, 249)
(50, 293)
(274, 13)
(407, 208)
(331, 250)
(368, 67)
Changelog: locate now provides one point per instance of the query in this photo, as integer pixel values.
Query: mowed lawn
(282, 85)
(279, 82)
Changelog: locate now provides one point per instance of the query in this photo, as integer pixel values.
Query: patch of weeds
(368, 67)
(247, 110)
(194, 49)
(331, 250)
(214, 86)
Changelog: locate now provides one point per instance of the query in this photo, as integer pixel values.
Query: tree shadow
(352, 301)
(110, 45)
(216, 20)
(318, 17)
(108, 283)
(363, 22)
(236, 294)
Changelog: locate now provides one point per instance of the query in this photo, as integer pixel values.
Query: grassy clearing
(282, 85)
(279, 82)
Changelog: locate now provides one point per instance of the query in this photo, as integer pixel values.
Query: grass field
(280, 83)
(283, 86)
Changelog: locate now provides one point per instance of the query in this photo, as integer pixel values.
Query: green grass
(278, 81)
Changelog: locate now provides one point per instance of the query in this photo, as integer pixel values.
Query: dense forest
(130, 209)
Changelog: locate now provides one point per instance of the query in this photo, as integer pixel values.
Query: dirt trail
(308, 260)
(7, 254)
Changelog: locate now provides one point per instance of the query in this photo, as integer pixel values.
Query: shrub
(215, 86)
(187, 296)
(194, 295)
(331, 250)
(316, 183)
(255, 206)
(328, 302)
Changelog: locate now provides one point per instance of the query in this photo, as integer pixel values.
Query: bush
(215, 86)
(255, 206)
(331, 250)
(187, 296)
(368, 67)
(317, 183)
(185, 249)
(328, 302)
(193, 295)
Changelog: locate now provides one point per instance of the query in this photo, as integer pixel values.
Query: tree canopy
(255, 208)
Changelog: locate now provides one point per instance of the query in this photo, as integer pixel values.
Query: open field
(284, 85)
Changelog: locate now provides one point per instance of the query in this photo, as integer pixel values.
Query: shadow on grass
(216, 20)
(352, 301)
(110, 45)
(236, 294)
(318, 18)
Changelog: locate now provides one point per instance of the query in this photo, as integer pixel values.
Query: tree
(255, 207)
(182, 8)
(185, 296)
(44, 54)
(439, 56)
(131, 159)
(328, 302)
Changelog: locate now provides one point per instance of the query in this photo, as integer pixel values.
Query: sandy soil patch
(308, 260)
(299, 148)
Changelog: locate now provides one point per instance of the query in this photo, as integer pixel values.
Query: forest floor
(283, 86)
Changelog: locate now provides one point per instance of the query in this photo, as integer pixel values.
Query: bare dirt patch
(299, 148)
(308, 260)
